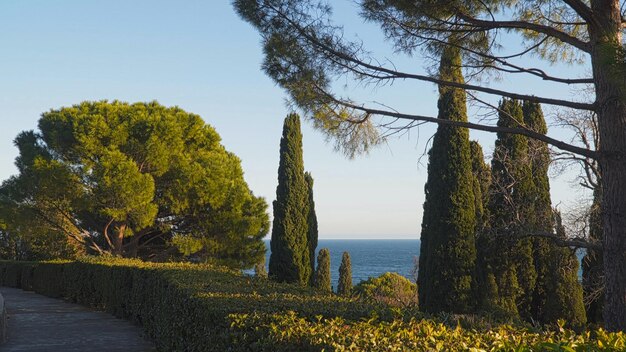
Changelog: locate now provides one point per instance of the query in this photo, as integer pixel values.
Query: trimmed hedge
(186, 307)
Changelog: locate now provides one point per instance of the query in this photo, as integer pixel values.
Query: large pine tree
(312, 233)
(557, 294)
(448, 251)
(511, 258)
(289, 260)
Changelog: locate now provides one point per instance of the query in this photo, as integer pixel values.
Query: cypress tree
(557, 294)
(312, 233)
(540, 207)
(447, 250)
(322, 274)
(511, 258)
(564, 294)
(289, 260)
(593, 264)
(484, 285)
(344, 287)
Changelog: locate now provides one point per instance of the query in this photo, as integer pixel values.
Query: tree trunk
(118, 240)
(610, 82)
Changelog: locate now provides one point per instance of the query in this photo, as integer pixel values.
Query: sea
(370, 258)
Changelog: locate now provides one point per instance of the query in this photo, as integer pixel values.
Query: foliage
(390, 288)
(344, 286)
(593, 278)
(186, 307)
(127, 178)
(289, 260)
(510, 259)
(557, 294)
(322, 274)
(312, 233)
(564, 294)
(447, 249)
(260, 270)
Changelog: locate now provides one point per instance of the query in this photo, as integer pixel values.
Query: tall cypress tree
(556, 267)
(312, 233)
(447, 250)
(564, 294)
(289, 260)
(344, 286)
(593, 264)
(511, 258)
(322, 274)
(484, 286)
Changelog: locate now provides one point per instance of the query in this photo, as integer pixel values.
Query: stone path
(40, 324)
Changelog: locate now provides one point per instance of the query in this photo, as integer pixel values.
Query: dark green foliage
(134, 180)
(391, 289)
(447, 251)
(484, 287)
(509, 258)
(557, 293)
(322, 274)
(593, 263)
(564, 294)
(312, 233)
(344, 286)
(289, 260)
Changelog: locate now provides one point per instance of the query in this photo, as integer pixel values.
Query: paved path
(40, 324)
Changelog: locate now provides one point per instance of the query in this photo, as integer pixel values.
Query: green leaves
(127, 178)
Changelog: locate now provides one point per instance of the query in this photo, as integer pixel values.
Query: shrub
(187, 307)
(390, 288)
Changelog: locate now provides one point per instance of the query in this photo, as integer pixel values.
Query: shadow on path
(40, 324)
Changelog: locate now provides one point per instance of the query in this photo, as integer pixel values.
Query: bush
(186, 307)
(390, 288)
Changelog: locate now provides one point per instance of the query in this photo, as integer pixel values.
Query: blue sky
(200, 56)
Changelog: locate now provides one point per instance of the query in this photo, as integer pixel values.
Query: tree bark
(118, 240)
(610, 81)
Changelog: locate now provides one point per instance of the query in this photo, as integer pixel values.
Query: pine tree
(344, 287)
(564, 294)
(322, 274)
(289, 260)
(312, 233)
(593, 264)
(511, 258)
(447, 251)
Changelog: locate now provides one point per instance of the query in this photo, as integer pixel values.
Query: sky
(200, 56)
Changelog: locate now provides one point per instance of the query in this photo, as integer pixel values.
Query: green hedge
(185, 307)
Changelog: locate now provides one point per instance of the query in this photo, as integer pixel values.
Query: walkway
(40, 324)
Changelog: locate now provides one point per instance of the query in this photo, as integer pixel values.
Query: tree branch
(547, 30)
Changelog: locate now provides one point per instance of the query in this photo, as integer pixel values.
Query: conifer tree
(259, 269)
(511, 258)
(484, 286)
(593, 263)
(447, 250)
(289, 260)
(564, 294)
(557, 293)
(312, 233)
(322, 274)
(344, 287)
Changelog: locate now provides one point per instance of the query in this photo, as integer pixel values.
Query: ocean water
(369, 258)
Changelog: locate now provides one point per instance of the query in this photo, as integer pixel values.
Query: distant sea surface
(369, 258)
